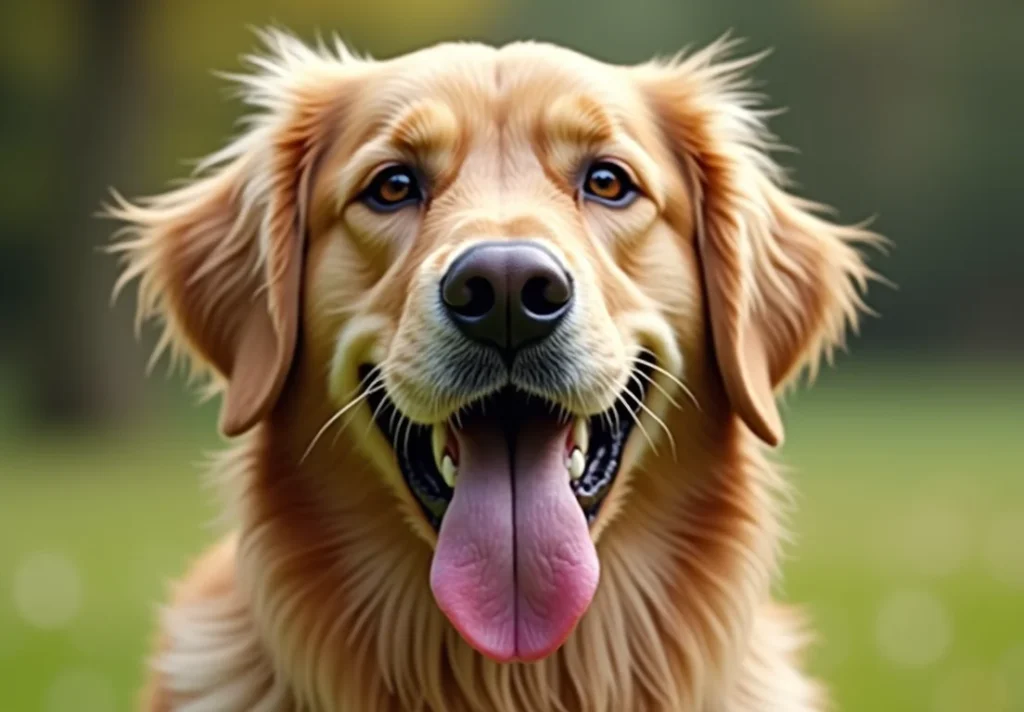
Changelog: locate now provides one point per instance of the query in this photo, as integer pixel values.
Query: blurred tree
(80, 363)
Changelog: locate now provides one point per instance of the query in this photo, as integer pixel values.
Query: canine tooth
(439, 438)
(581, 434)
(448, 471)
(576, 464)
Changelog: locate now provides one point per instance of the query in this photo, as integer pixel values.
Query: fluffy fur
(275, 285)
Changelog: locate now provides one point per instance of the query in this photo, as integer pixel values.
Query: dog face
(515, 268)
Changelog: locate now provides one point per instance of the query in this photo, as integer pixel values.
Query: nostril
(475, 299)
(481, 297)
(544, 297)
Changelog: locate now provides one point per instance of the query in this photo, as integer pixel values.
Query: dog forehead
(484, 85)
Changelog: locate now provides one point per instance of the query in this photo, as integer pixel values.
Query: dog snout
(507, 294)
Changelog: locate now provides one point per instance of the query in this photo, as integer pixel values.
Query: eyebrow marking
(426, 127)
(578, 119)
(431, 135)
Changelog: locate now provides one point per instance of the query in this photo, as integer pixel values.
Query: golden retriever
(499, 332)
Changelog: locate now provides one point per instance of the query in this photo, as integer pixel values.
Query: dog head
(506, 277)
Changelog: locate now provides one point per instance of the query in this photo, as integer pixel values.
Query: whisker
(606, 419)
(396, 429)
(332, 420)
(391, 420)
(671, 376)
(376, 374)
(659, 421)
(615, 411)
(408, 430)
(380, 371)
(635, 375)
(372, 374)
(640, 425)
(576, 393)
(636, 420)
(613, 419)
(384, 403)
(377, 385)
(398, 432)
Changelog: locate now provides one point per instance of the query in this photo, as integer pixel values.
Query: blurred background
(909, 547)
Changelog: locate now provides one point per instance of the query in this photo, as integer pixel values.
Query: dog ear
(782, 283)
(219, 261)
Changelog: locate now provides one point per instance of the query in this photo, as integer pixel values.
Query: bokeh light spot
(47, 590)
(913, 629)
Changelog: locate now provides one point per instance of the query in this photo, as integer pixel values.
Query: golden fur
(276, 284)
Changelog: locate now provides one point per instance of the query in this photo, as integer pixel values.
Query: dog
(498, 333)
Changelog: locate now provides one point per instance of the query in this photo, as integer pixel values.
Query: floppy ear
(782, 283)
(219, 261)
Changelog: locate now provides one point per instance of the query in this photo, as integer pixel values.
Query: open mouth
(512, 483)
(428, 455)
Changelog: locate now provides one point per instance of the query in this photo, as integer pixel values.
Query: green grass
(910, 486)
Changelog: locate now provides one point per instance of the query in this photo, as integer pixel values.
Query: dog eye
(392, 188)
(609, 183)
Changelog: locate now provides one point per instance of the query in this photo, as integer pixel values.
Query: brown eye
(609, 183)
(392, 188)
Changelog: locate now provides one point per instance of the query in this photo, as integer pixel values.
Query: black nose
(507, 294)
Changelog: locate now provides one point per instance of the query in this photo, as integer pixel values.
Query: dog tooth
(439, 439)
(581, 434)
(448, 471)
(576, 464)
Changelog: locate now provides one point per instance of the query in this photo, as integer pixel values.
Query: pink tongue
(514, 567)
